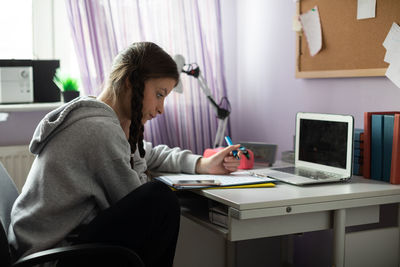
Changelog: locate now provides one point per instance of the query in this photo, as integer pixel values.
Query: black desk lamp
(222, 113)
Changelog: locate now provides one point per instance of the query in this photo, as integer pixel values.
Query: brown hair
(136, 64)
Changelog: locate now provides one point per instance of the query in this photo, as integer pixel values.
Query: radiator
(18, 161)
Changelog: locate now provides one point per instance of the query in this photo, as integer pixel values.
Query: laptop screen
(323, 142)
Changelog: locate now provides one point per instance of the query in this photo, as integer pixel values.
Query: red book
(395, 167)
(367, 140)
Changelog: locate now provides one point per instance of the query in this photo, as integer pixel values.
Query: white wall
(264, 93)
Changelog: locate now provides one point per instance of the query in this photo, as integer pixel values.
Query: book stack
(358, 151)
(382, 146)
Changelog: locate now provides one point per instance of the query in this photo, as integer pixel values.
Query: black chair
(72, 254)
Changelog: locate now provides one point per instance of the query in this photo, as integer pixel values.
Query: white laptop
(323, 150)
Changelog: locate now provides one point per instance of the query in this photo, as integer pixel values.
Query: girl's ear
(127, 90)
(128, 84)
(124, 100)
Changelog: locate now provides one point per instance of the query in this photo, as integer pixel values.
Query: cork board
(350, 47)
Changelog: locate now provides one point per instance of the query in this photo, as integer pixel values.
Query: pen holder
(245, 163)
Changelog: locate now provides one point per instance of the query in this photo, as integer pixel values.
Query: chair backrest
(8, 194)
(5, 256)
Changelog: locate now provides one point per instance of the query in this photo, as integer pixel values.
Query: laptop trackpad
(287, 177)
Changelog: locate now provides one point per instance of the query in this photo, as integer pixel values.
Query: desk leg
(398, 227)
(339, 227)
(230, 257)
(287, 244)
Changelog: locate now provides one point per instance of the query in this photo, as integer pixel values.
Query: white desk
(288, 209)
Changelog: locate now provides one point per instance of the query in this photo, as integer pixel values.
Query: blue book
(388, 123)
(356, 168)
(356, 145)
(357, 132)
(357, 159)
(376, 146)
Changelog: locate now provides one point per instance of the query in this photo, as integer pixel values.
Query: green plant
(65, 83)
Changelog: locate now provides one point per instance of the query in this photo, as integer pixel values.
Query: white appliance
(16, 84)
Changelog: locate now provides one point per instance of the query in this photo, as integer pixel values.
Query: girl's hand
(223, 162)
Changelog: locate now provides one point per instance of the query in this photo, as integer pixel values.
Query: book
(367, 140)
(388, 123)
(356, 145)
(356, 168)
(357, 163)
(357, 134)
(358, 159)
(239, 179)
(395, 164)
(358, 151)
(257, 185)
(376, 146)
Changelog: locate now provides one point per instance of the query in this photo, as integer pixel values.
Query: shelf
(29, 107)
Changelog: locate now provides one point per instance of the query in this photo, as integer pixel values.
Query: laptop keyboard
(316, 175)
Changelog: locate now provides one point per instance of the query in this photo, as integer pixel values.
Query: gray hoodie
(82, 166)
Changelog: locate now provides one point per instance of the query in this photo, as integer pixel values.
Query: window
(37, 30)
(16, 29)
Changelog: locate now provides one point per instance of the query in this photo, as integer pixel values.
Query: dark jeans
(146, 221)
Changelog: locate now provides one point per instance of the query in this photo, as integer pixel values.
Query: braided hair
(131, 69)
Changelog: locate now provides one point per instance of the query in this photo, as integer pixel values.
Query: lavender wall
(19, 127)
(264, 92)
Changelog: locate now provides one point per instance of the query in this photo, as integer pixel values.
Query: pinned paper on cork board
(311, 26)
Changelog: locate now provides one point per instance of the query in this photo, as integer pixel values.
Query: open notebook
(323, 150)
(234, 180)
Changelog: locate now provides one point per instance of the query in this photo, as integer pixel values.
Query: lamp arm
(207, 92)
(221, 112)
(203, 85)
(194, 70)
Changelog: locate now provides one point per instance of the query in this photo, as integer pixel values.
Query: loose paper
(3, 116)
(392, 43)
(392, 37)
(296, 26)
(393, 73)
(366, 9)
(312, 29)
(392, 56)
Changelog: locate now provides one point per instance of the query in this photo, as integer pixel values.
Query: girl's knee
(164, 196)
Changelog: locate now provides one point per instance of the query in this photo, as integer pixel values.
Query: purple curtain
(192, 28)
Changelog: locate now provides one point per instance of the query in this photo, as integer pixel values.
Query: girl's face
(155, 92)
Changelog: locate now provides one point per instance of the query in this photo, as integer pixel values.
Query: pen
(229, 142)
